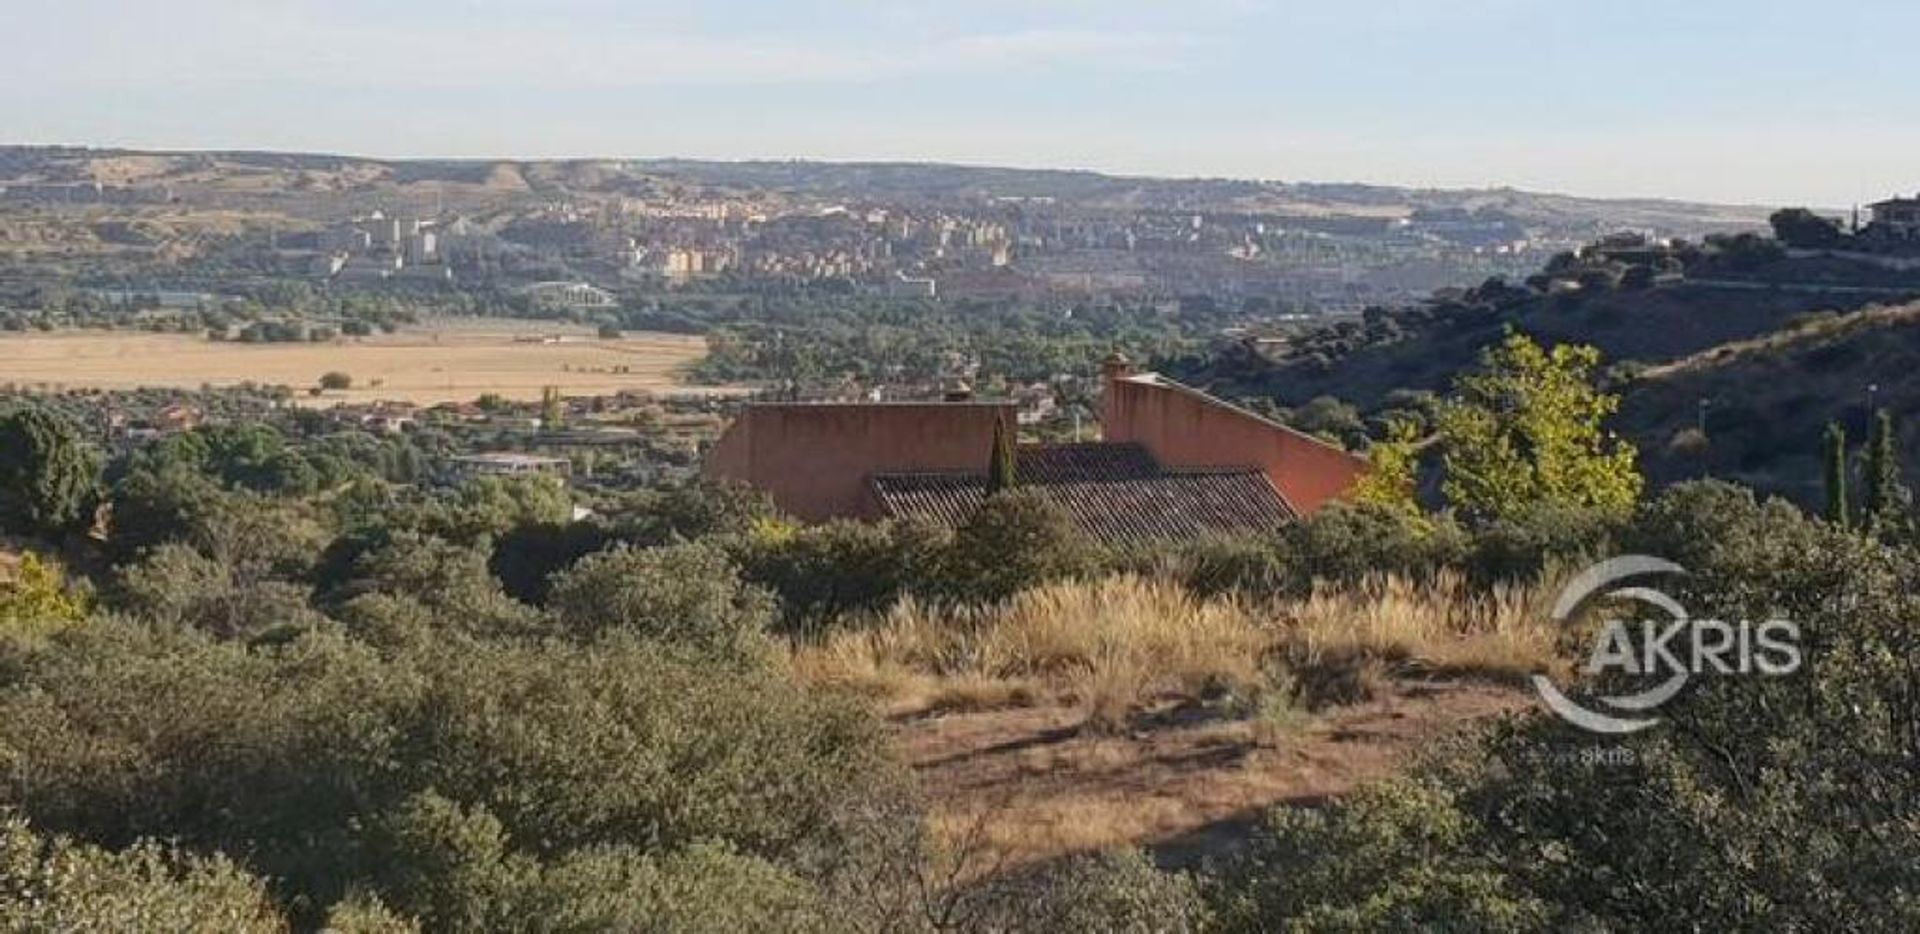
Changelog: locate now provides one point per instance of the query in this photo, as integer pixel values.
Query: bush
(49, 475)
(336, 381)
(1521, 547)
(1245, 564)
(689, 595)
(1018, 540)
(1398, 856)
(822, 574)
(1345, 543)
(54, 884)
(1760, 802)
(312, 756)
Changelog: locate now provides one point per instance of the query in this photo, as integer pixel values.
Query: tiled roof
(1113, 492)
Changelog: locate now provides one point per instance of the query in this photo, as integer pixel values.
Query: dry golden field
(441, 362)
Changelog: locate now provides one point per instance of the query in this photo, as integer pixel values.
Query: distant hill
(1366, 362)
(1641, 303)
(1561, 213)
(315, 185)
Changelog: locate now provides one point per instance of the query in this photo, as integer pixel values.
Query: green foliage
(687, 512)
(1017, 540)
(1801, 228)
(55, 884)
(1390, 479)
(1525, 431)
(49, 475)
(336, 381)
(1391, 857)
(1117, 892)
(689, 595)
(178, 586)
(452, 583)
(312, 757)
(1885, 500)
(1001, 467)
(35, 601)
(1759, 803)
(1345, 543)
(1834, 462)
(827, 573)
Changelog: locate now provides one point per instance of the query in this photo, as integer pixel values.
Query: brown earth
(1028, 785)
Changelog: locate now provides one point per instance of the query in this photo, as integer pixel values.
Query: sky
(1757, 101)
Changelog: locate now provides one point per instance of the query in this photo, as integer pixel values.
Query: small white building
(510, 464)
(1897, 218)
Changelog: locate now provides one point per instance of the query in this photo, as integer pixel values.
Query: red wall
(1184, 427)
(814, 458)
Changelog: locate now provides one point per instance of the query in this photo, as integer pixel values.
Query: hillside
(320, 185)
(1769, 399)
(1421, 349)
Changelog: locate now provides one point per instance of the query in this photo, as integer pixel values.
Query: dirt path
(1030, 785)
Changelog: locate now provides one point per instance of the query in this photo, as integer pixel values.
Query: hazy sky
(1757, 101)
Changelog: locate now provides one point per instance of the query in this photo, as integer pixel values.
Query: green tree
(336, 381)
(1017, 540)
(1525, 431)
(34, 599)
(1885, 497)
(1395, 460)
(1001, 470)
(1799, 227)
(1835, 465)
(688, 595)
(49, 475)
(553, 409)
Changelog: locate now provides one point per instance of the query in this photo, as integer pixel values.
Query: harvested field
(441, 362)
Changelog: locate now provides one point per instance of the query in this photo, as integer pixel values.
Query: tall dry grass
(1440, 625)
(1107, 644)
(1111, 645)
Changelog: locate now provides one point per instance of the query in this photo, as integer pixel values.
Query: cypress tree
(1882, 493)
(1836, 467)
(1000, 470)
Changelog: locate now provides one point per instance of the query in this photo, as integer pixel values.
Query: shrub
(1522, 546)
(822, 574)
(1396, 856)
(1349, 543)
(49, 475)
(55, 884)
(1017, 540)
(307, 756)
(688, 595)
(35, 600)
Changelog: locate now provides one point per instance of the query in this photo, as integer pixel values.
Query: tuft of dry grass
(1114, 645)
(1441, 625)
(1107, 645)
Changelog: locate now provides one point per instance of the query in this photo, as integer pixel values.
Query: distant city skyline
(1761, 103)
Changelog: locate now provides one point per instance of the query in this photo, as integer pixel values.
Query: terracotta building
(1175, 462)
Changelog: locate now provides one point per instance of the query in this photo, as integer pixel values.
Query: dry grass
(1113, 645)
(1442, 626)
(425, 366)
(1107, 645)
(1025, 761)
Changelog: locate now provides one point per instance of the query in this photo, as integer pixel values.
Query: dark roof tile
(1113, 492)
